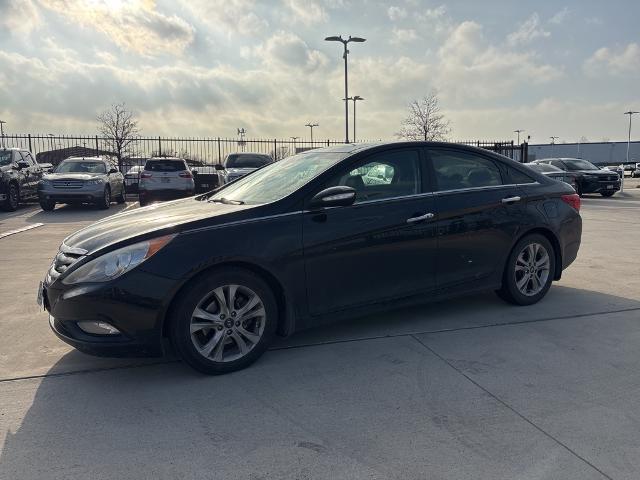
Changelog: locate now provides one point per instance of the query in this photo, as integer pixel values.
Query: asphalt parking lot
(470, 388)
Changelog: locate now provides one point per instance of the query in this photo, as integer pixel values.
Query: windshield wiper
(227, 201)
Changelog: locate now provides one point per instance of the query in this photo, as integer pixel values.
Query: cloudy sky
(205, 67)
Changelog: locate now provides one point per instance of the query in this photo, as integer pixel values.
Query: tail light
(145, 175)
(186, 174)
(572, 200)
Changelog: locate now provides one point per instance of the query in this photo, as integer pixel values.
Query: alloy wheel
(227, 323)
(532, 269)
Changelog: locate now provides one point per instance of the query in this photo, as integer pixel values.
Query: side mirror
(113, 170)
(218, 166)
(340, 196)
(22, 164)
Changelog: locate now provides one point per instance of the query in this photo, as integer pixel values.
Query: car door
(478, 216)
(29, 181)
(381, 247)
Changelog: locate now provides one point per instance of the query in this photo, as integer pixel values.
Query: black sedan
(556, 173)
(305, 241)
(588, 177)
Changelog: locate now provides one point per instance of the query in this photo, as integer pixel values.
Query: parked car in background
(554, 172)
(304, 241)
(132, 178)
(19, 177)
(588, 177)
(94, 180)
(208, 177)
(239, 164)
(615, 168)
(636, 172)
(165, 178)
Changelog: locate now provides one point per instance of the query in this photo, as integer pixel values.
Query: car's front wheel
(224, 321)
(13, 198)
(47, 205)
(607, 194)
(529, 271)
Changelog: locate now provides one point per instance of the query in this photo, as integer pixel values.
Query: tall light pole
(631, 113)
(346, 83)
(294, 144)
(2, 122)
(519, 131)
(355, 99)
(311, 125)
(553, 142)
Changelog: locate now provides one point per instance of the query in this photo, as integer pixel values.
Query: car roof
(159, 159)
(249, 153)
(84, 159)
(351, 148)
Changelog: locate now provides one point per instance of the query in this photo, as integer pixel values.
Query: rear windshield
(81, 167)
(246, 160)
(165, 166)
(579, 165)
(5, 158)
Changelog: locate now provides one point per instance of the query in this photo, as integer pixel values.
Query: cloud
(307, 12)
(470, 67)
(232, 16)
(134, 26)
(559, 17)
(21, 17)
(606, 61)
(527, 31)
(287, 50)
(396, 13)
(403, 35)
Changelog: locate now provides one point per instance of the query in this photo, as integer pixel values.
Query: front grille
(67, 183)
(66, 257)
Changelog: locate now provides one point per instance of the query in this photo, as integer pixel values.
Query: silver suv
(165, 178)
(82, 180)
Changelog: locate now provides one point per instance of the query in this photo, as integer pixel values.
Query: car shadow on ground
(76, 213)
(169, 420)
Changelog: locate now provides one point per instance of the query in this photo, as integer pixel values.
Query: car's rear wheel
(529, 271)
(224, 321)
(47, 205)
(105, 203)
(122, 197)
(13, 198)
(607, 194)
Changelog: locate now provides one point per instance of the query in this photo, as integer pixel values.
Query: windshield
(579, 165)
(543, 167)
(244, 160)
(81, 167)
(5, 158)
(278, 179)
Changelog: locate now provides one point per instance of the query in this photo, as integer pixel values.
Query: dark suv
(19, 177)
(586, 177)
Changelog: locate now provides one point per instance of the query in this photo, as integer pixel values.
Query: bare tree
(424, 121)
(119, 129)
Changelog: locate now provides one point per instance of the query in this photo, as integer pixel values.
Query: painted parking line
(19, 230)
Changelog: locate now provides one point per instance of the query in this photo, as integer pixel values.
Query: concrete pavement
(470, 388)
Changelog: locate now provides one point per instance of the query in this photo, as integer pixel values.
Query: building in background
(598, 153)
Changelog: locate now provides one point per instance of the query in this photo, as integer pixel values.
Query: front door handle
(509, 200)
(426, 216)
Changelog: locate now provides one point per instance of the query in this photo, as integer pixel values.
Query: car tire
(122, 197)
(235, 339)
(105, 202)
(13, 198)
(529, 271)
(47, 205)
(607, 194)
(143, 203)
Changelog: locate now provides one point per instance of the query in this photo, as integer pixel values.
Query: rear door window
(518, 177)
(461, 170)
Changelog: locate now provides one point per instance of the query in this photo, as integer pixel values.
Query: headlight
(44, 182)
(95, 181)
(113, 264)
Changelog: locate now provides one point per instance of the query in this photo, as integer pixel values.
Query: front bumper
(126, 303)
(84, 194)
(596, 186)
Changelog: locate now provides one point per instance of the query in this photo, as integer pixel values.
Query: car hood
(154, 220)
(72, 176)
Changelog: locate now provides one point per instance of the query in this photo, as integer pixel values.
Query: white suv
(165, 178)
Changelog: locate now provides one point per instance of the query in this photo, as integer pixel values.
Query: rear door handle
(511, 199)
(426, 216)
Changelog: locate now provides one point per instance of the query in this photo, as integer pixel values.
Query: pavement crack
(513, 409)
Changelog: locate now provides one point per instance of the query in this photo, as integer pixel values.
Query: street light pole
(519, 131)
(346, 82)
(355, 99)
(294, 144)
(311, 125)
(631, 114)
(553, 142)
(2, 122)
